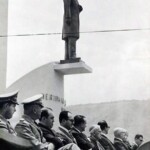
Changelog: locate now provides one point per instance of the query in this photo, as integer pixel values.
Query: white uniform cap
(9, 97)
(36, 99)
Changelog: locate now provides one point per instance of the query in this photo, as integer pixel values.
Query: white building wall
(41, 80)
(3, 43)
(48, 80)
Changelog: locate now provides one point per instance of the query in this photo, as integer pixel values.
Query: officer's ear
(5, 106)
(43, 118)
(63, 121)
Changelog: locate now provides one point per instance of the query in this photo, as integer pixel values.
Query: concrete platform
(72, 68)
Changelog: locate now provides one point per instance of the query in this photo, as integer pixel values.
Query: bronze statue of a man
(70, 31)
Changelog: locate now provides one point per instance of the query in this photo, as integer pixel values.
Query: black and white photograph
(74, 75)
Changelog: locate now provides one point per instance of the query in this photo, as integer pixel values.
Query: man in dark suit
(77, 132)
(46, 124)
(66, 122)
(119, 134)
(105, 142)
(138, 141)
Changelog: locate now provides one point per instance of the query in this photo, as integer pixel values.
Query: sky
(120, 60)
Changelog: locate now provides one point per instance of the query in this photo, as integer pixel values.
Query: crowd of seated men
(36, 126)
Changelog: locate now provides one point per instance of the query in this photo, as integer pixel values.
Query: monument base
(72, 60)
(72, 68)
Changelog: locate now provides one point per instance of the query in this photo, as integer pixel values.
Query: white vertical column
(3, 43)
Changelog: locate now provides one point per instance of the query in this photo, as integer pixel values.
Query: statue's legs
(70, 48)
(66, 50)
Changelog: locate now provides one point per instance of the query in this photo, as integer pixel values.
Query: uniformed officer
(8, 104)
(27, 127)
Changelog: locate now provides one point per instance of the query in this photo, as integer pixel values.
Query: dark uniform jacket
(6, 126)
(66, 136)
(71, 11)
(119, 144)
(28, 129)
(51, 136)
(106, 143)
(82, 140)
(9, 140)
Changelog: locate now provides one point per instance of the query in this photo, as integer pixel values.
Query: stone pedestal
(72, 68)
